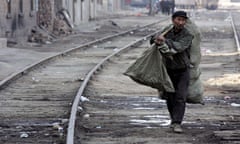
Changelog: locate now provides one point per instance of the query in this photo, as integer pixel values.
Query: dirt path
(123, 112)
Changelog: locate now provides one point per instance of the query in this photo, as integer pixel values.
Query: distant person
(176, 58)
(163, 5)
(167, 7)
(172, 6)
(158, 5)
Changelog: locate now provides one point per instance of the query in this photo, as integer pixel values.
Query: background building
(226, 4)
(21, 18)
(16, 17)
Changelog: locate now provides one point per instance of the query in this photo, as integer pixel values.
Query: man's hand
(159, 39)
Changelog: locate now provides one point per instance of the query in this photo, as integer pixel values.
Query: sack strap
(167, 29)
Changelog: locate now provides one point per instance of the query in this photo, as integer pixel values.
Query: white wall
(82, 11)
(77, 12)
(228, 4)
(93, 9)
(85, 10)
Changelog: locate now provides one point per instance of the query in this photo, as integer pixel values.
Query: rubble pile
(37, 36)
(60, 27)
(41, 34)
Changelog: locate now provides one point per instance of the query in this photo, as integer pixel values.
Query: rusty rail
(71, 125)
(27, 69)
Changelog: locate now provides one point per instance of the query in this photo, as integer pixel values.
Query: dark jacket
(179, 45)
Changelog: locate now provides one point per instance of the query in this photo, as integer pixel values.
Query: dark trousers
(176, 102)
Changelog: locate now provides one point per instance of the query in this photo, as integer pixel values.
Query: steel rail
(235, 32)
(71, 124)
(27, 69)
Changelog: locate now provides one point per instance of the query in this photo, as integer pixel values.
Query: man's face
(179, 22)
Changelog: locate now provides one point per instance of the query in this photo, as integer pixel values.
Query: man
(175, 46)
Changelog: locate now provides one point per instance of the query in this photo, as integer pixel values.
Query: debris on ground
(61, 27)
(62, 24)
(109, 26)
(38, 36)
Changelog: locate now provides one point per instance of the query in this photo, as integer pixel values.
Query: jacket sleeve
(180, 44)
(152, 39)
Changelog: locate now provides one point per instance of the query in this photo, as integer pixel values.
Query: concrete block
(3, 42)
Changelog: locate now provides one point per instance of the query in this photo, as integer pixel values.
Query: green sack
(195, 73)
(195, 91)
(195, 50)
(149, 70)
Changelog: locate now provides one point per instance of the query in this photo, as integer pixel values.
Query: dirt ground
(123, 112)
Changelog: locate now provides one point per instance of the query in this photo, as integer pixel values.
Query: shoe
(177, 128)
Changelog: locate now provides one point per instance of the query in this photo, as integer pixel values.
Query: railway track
(235, 25)
(119, 111)
(36, 101)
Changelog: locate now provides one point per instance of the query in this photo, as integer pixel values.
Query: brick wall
(46, 14)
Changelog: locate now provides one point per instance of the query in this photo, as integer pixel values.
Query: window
(36, 5)
(21, 6)
(9, 9)
(9, 6)
(32, 5)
